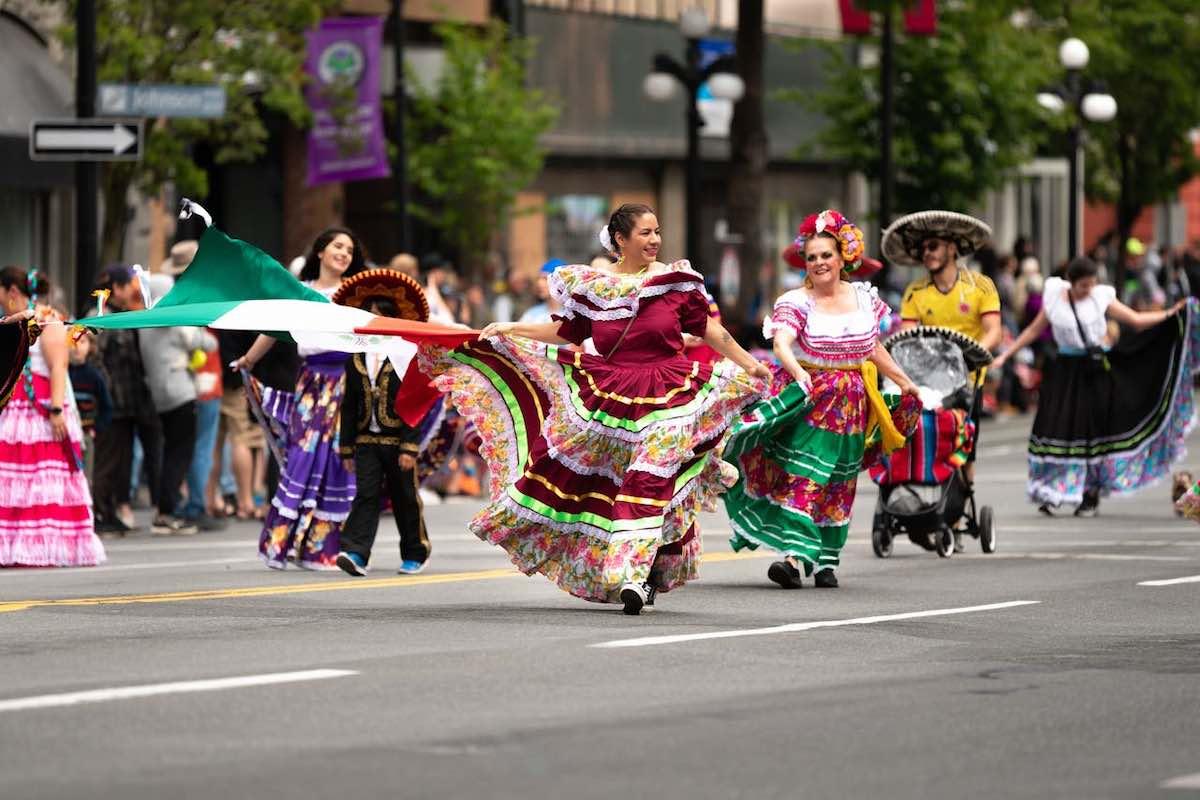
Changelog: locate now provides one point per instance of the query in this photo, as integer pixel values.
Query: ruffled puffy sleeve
(791, 313)
(1104, 295)
(563, 283)
(879, 309)
(574, 328)
(694, 313)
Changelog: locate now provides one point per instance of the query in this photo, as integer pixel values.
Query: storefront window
(572, 222)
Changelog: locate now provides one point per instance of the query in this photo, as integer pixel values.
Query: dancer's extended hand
(407, 461)
(908, 387)
(802, 377)
(497, 329)
(759, 370)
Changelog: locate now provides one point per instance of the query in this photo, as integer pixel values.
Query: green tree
(472, 140)
(965, 101)
(1144, 51)
(254, 49)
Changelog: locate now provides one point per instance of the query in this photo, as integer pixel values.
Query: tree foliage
(254, 49)
(472, 140)
(1144, 52)
(965, 109)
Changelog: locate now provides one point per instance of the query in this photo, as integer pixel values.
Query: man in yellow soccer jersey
(951, 295)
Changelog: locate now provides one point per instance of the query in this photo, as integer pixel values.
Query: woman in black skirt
(1109, 418)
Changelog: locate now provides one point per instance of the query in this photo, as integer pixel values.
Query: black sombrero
(974, 354)
(904, 239)
(404, 292)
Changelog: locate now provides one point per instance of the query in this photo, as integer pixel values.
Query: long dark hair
(1081, 267)
(29, 283)
(623, 220)
(312, 261)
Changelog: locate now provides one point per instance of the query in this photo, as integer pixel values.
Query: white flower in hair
(606, 239)
(821, 222)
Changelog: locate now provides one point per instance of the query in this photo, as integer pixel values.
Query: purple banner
(346, 142)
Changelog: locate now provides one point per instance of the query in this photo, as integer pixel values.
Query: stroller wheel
(881, 542)
(987, 529)
(944, 539)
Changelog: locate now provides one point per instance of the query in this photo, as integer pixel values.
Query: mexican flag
(232, 285)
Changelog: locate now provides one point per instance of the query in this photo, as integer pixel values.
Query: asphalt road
(185, 669)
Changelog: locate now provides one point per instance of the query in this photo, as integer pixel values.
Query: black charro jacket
(361, 398)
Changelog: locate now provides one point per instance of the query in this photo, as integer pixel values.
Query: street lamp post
(723, 82)
(1090, 102)
(400, 176)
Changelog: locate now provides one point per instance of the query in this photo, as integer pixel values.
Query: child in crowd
(91, 398)
(377, 444)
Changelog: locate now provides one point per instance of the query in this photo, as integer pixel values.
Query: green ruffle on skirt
(796, 481)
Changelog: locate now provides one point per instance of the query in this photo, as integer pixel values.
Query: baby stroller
(923, 491)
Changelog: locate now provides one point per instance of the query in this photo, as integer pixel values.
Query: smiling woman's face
(823, 259)
(642, 244)
(338, 254)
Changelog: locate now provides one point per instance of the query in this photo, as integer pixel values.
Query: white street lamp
(1050, 101)
(693, 23)
(1073, 53)
(1099, 107)
(727, 86)
(659, 86)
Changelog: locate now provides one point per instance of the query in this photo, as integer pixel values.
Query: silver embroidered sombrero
(904, 240)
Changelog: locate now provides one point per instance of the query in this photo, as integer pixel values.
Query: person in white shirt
(1109, 419)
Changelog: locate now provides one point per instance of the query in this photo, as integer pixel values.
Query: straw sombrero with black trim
(404, 292)
(904, 240)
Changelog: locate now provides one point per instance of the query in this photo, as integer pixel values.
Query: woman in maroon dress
(602, 454)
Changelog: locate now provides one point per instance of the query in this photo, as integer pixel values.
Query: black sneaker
(633, 595)
(1046, 509)
(1090, 506)
(783, 573)
(825, 579)
(204, 522)
(172, 526)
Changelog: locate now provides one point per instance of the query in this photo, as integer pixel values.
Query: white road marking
(1172, 581)
(1182, 782)
(179, 687)
(1057, 527)
(1089, 557)
(796, 627)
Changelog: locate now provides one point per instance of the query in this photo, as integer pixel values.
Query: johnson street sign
(160, 100)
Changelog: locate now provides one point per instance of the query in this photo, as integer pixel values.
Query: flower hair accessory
(606, 240)
(850, 239)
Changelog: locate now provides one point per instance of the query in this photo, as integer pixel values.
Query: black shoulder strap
(1082, 336)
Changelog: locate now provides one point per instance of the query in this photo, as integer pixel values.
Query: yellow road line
(299, 588)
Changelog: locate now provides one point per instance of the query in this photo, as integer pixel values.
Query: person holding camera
(1109, 418)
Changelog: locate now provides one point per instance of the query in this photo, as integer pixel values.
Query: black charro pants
(377, 465)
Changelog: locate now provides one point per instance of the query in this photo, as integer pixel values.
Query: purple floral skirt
(315, 490)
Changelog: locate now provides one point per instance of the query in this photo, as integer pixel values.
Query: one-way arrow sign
(85, 140)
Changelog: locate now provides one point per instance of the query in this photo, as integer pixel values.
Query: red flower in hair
(850, 239)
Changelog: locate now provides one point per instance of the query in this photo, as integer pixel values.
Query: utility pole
(887, 118)
(400, 174)
(87, 183)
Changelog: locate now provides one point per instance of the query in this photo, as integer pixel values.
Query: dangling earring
(620, 259)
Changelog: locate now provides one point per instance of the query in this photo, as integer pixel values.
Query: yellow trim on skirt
(879, 417)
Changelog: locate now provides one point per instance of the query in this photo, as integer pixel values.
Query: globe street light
(661, 84)
(1092, 103)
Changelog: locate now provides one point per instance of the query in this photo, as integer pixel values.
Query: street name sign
(160, 100)
(85, 140)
